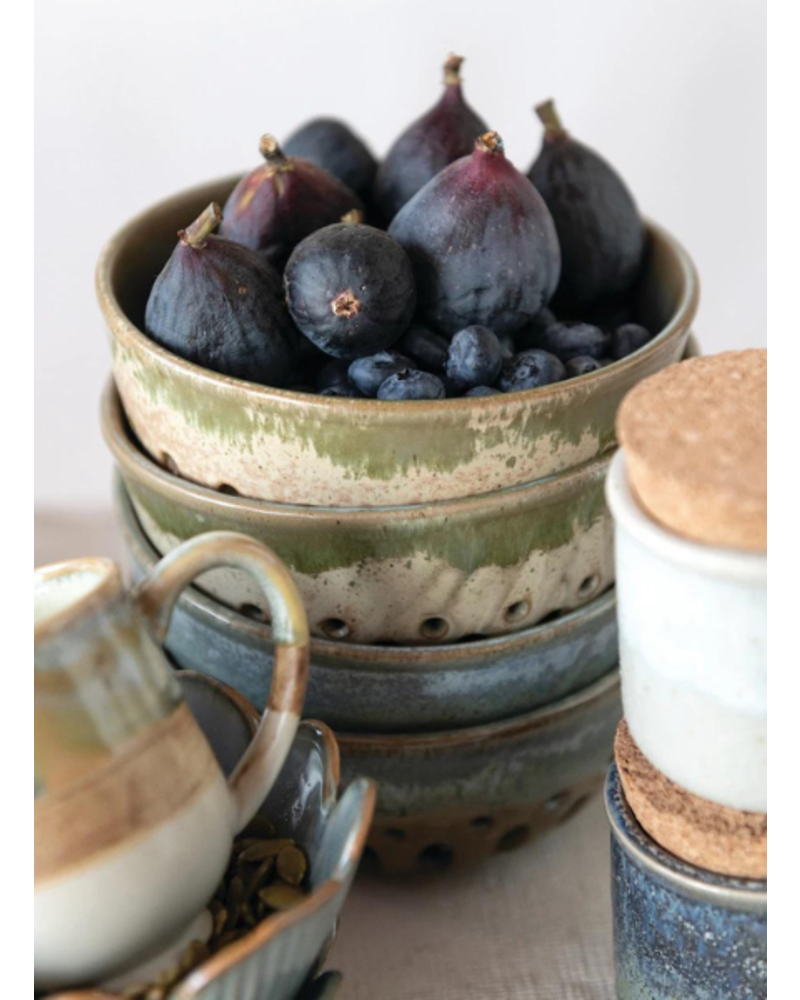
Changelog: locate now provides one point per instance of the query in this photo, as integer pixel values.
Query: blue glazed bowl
(680, 932)
(391, 689)
(279, 957)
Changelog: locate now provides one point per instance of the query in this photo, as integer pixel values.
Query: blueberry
(530, 336)
(582, 365)
(529, 370)
(367, 374)
(475, 358)
(574, 339)
(333, 376)
(628, 338)
(507, 346)
(427, 348)
(483, 390)
(411, 384)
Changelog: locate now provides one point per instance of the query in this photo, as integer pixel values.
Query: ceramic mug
(133, 818)
(692, 635)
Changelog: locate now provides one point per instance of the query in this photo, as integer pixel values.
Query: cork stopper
(720, 839)
(695, 440)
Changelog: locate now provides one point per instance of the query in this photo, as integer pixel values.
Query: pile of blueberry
(443, 271)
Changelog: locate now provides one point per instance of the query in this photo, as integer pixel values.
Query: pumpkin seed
(280, 897)
(291, 865)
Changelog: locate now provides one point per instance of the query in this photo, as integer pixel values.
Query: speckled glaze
(391, 688)
(456, 797)
(280, 955)
(680, 931)
(296, 448)
(426, 573)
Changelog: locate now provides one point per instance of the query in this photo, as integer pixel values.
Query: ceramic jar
(692, 633)
(680, 931)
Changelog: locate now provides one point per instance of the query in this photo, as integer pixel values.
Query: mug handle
(155, 597)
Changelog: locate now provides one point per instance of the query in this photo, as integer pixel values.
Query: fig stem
(355, 215)
(197, 233)
(490, 142)
(548, 116)
(270, 149)
(452, 70)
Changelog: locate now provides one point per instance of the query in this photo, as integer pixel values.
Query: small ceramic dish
(298, 448)
(456, 797)
(680, 931)
(284, 951)
(420, 574)
(390, 688)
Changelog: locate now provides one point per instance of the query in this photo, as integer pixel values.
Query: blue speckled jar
(680, 932)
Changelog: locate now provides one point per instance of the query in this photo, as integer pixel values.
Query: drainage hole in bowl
(588, 585)
(517, 611)
(434, 628)
(253, 611)
(435, 857)
(481, 822)
(230, 490)
(513, 838)
(169, 463)
(335, 628)
(395, 833)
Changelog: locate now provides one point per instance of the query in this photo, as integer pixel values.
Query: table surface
(534, 924)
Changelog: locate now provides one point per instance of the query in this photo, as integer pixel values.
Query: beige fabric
(534, 924)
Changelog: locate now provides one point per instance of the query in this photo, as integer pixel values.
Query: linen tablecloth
(534, 924)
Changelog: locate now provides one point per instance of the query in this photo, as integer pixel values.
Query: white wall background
(137, 100)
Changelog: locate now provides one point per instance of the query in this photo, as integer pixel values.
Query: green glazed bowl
(484, 565)
(298, 448)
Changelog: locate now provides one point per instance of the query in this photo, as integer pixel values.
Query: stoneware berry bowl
(679, 930)
(356, 687)
(297, 448)
(459, 796)
(281, 955)
(422, 573)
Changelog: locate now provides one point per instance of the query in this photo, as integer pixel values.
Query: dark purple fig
(333, 146)
(219, 305)
(350, 289)
(445, 134)
(281, 202)
(481, 242)
(599, 228)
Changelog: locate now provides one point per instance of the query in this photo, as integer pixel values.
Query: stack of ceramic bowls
(455, 557)
(687, 797)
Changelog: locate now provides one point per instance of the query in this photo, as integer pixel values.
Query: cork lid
(695, 440)
(720, 839)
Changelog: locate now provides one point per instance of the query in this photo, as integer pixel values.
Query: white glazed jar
(692, 627)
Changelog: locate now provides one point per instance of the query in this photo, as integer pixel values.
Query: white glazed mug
(692, 633)
(133, 818)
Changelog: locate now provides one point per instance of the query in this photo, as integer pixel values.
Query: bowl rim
(414, 658)
(134, 461)
(125, 330)
(452, 739)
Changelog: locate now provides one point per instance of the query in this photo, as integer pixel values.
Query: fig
(599, 227)
(332, 145)
(442, 135)
(482, 244)
(281, 202)
(219, 305)
(350, 289)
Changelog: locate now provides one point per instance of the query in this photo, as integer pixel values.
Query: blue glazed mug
(680, 932)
